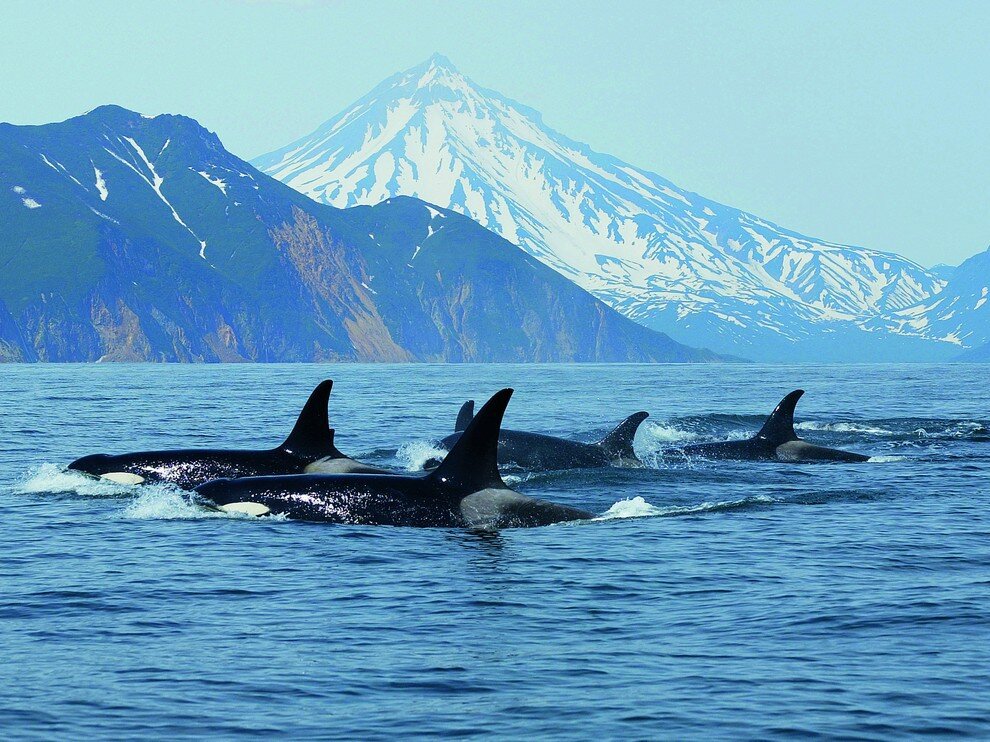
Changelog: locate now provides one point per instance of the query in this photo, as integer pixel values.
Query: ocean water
(711, 599)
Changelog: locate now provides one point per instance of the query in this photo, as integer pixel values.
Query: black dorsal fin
(472, 463)
(779, 427)
(311, 437)
(465, 416)
(619, 443)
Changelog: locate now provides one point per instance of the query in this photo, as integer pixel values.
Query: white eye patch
(122, 477)
(247, 508)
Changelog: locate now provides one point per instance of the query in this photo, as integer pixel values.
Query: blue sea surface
(712, 599)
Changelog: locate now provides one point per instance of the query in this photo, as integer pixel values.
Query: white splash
(145, 501)
(52, 478)
(957, 430)
(411, 456)
(637, 507)
(162, 502)
(843, 428)
(659, 433)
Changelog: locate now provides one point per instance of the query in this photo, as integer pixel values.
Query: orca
(776, 441)
(538, 452)
(466, 490)
(309, 447)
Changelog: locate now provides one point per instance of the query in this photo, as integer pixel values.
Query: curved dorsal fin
(311, 437)
(619, 443)
(779, 427)
(465, 416)
(472, 463)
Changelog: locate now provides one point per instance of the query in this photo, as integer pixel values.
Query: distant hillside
(139, 238)
(977, 355)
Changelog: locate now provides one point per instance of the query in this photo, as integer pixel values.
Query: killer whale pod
(465, 490)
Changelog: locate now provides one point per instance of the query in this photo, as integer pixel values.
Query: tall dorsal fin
(619, 443)
(311, 437)
(465, 416)
(472, 463)
(779, 427)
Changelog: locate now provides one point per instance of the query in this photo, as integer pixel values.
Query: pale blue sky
(859, 122)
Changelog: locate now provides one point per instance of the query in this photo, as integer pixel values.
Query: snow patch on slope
(222, 185)
(156, 181)
(101, 184)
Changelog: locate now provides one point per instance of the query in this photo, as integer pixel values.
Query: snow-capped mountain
(672, 260)
(959, 314)
(128, 237)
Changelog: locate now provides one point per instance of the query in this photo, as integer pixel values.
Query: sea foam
(413, 455)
